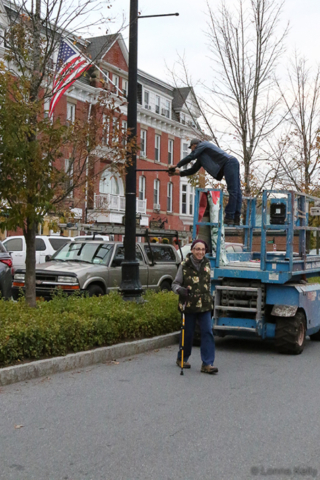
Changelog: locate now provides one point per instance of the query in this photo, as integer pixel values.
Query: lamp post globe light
(130, 282)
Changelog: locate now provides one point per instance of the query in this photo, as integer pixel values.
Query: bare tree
(297, 154)
(246, 51)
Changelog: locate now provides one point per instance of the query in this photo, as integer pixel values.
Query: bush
(72, 324)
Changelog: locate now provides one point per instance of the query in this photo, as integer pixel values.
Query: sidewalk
(41, 368)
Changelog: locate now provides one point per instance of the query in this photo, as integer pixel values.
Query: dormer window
(166, 111)
(158, 100)
(146, 99)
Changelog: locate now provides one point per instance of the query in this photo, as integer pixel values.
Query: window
(146, 99)
(156, 194)
(68, 168)
(187, 196)
(139, 93)
(183, 118)
(158, 104)
(157, 148)
(185, 152)
(57, 243)
(169, 197)
(111, 183)
(124, 87)
(71, 112)
(40, 245)
(115, 130)
(167, 114)
(119, 256)
(191, 194)
(106, 77)
(46, 107)
(143, 146)
(115, 85)
(124, 132)
(106, 130)
(170, 152)
(161, 253)
(142, 187)
(14, 245)
(103, 254)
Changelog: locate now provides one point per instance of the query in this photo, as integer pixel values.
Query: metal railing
(116, 203)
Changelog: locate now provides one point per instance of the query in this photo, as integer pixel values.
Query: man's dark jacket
(208, 156)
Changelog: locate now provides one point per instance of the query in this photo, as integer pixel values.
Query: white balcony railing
(116, 203)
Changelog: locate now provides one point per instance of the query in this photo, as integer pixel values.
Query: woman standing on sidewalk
(192, 284)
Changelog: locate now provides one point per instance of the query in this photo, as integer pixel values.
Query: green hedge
(72, 324)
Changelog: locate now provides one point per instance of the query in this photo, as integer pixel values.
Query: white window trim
(71, 112)
(189, 197)
(143, 137)
(157, 147)
(158, 104)
(142, 187)
(124, 132)
(106, 130)
(170, 151)
(156, 193)
(146, 103)
(169, 196)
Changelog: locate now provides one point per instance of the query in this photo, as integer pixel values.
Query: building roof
(99, 46)
(154, 84)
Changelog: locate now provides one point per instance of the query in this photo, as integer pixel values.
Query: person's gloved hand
(171, 170)
(183, 292)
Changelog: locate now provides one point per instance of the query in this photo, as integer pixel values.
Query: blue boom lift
(265, 294)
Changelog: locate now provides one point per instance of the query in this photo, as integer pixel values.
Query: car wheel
(165, 286)
(95, 291)
(290, 334)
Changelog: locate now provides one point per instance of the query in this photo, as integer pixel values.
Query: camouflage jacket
(198, 283)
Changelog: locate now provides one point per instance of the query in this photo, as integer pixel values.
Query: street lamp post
(130, 283)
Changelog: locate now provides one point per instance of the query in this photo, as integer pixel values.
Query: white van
(44, 246)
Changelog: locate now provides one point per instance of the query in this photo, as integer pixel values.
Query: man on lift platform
(218, 164)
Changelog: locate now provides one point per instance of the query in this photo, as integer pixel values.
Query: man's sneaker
(228, 221)
(237, 219)
(185, 364)
(209, 369)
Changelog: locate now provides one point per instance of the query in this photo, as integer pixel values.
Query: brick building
(167, 120)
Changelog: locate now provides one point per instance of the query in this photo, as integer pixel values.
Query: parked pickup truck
(95, 267)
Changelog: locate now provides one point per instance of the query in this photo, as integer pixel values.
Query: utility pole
(130, 283)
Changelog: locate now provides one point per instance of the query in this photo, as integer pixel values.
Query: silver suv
(95, 267)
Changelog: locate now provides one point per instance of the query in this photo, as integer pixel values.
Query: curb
(41, 368)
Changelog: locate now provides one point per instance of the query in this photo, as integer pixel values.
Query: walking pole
(182, 338)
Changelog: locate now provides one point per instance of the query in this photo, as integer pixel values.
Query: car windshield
(85, 252)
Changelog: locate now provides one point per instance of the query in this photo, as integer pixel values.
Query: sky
(162, 40)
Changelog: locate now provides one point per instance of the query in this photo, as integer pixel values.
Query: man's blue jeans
(207, 348)
(232, 177)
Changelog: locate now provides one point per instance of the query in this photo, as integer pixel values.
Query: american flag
(70, 66)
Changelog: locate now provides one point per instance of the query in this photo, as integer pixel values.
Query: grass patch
(73, 324)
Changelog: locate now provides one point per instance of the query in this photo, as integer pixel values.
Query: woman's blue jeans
(207, 348)
(232, 177)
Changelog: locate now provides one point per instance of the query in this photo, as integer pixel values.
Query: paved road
(140, 420)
